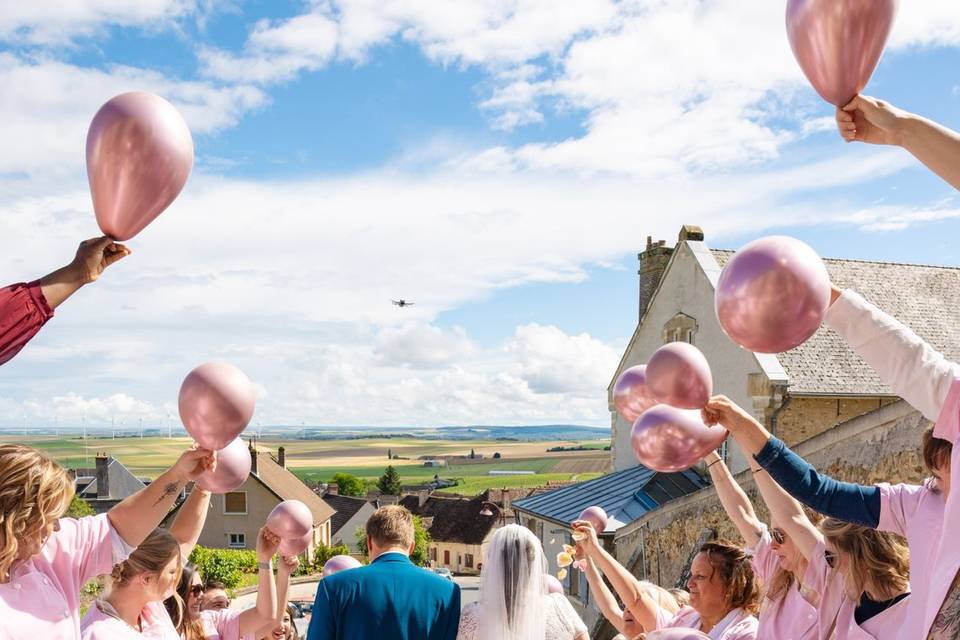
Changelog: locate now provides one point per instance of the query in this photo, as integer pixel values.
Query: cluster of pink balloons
(662, 399)
(292, 522)
(139, 155)
(336, 564)
(216, 403)
(838, 43)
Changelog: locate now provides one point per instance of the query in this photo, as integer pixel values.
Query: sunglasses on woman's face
(831, 558)
(778, 536)
(196, 590)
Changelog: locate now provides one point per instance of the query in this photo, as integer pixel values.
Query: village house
(106, 484)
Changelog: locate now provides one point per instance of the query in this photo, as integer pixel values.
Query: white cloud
(553, 362)
(421, 345)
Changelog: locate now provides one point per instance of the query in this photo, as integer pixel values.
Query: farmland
(318, 460)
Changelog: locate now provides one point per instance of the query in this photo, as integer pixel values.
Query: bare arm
(266, 608)
(734, 500)
(188, 524)
(93, 257)
(604, 598)
(288, 566)
(787, 512)
(138, 515)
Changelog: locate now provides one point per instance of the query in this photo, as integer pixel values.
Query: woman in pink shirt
(26, 307)
(724, 594)
(46, 559)
(788, 611)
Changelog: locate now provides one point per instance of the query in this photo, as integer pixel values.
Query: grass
(475, 485)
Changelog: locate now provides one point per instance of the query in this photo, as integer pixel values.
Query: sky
(499, 162)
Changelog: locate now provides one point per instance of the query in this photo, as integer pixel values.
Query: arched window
(680, 328)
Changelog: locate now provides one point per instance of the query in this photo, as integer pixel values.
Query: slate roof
(283, 483)
(625, 495)
(345, 506)
(122, 483)
(925, 298)
(453, 519)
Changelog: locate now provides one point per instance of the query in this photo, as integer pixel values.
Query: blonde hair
(782, 580)
(391, 526)
(664, 598)
(681, 597)
(877, 562)
(34, 491)
(151, 557)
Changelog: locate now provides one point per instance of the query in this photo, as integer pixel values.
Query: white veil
(513, 591)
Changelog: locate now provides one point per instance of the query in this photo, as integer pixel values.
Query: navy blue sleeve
(842, 500)
(322, 621)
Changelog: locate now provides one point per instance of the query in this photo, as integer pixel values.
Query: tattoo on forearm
(169, 490)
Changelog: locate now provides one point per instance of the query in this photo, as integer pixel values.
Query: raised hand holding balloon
(139, 155)
(668, 439)
(232, 470)
(838, 43)
(291, 519)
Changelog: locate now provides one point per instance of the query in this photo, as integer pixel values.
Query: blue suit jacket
(389, 599)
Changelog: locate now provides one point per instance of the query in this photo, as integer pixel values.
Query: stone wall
(882, 445)
(806, 417)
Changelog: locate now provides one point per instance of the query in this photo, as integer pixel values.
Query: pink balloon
(597, 518)
(290, 519)
(772, 295)
(295, 546)
(336, 564)
(676, 634)
(838, 42)
(679, 375)
(631, 395)
(139, 155)
(553, 585)
(233, 467)
(668, 439)
(216, 403)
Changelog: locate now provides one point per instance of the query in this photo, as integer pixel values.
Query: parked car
(302, 621)
(443, 572)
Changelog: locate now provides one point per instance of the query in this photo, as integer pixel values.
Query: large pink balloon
(838, 42)
(216, 403)
(678, 374)
(676, 634)
(295, 546)
(139, 155)
(597, 518)
(553, 585)
(772, 295)
(337, 564)
(233, 468)
(668, 439)
(290, 519)
(631, 395)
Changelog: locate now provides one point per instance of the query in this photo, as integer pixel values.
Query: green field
(318, 460)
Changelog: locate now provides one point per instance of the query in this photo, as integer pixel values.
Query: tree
(421, 539)
(350, 485)
(79, 508)
(496, 456)
(389, 482)
(472, 454)
(389, 454)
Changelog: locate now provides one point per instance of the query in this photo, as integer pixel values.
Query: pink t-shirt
(155, 624)
(42, 598)
(221, 625)
(737, 625)
(790, 617)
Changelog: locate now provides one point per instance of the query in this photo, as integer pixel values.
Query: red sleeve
(23, 310)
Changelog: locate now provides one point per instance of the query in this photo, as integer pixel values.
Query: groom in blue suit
(389, 599)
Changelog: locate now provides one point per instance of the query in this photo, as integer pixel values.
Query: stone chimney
(690, 232)
(653, 262)
(253, 458)
(333, 489)
(422, 496)
(282, 457)
(103, 476)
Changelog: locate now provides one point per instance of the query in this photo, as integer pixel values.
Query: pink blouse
(155, 624)
(221, 625)
(42, 598)
(791, 616)
(737, 625)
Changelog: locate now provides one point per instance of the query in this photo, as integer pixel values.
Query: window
(235, 503)
(238, 541)
(433, 553)
(680, 328)
(446, 557)
(468, 560)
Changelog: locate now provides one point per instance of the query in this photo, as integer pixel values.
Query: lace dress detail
(563, 623)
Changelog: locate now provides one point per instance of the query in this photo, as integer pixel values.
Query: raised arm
(867, 119)
(265, 610)
(138, 515)
(288, 566)
(605, 600)
(645, 609)
(92, 258)
(787, 512)
(916, 371)
(188, 525)
(843, 500)
(734, 500)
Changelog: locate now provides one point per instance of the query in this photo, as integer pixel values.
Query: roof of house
(625, 495)
(345, 507)
(122, 483)
(925, 298)
(453, 519)
(287, 486)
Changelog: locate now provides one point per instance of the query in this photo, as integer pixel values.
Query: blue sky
(499, 163)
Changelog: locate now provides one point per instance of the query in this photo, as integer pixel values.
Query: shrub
(224, 565)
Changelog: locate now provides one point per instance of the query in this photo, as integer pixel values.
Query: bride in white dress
(514, 601)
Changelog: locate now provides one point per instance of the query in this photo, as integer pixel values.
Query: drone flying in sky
(402, 303)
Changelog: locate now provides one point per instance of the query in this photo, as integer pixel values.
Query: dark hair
(736, 573)
(187, 628)
(210, 585)
(936, 451)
